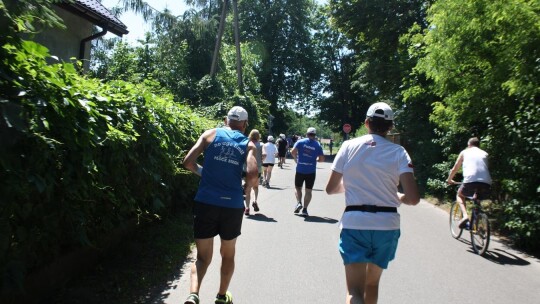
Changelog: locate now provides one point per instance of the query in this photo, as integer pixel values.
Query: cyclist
(476, 177)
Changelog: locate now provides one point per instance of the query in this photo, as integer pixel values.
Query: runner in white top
(368, 169)
(269, 153)
(371, 166)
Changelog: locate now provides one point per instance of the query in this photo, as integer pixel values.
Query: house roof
(95, 12)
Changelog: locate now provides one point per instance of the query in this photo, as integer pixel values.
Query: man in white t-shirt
(368, 169)
(476, 177)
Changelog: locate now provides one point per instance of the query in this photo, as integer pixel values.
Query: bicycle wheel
(480, 233)
(455, 217)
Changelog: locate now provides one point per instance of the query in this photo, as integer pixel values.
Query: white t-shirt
(371, 166)
(270, 150)
(475, 168)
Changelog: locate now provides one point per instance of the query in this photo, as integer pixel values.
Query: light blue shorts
(368, 246)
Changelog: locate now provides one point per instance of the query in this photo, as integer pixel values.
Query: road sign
(347, 128)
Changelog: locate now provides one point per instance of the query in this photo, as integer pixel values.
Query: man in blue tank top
(219, 203)
(306, 153)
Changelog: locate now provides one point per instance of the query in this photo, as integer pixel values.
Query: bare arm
(294, 153)
(335, 183)
(320, 158)
(410, 195)
(455, 169)
(252, 168)
(190, 161)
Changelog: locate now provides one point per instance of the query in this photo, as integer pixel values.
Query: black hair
(379, 125)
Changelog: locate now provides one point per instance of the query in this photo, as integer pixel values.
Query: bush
(80, 157)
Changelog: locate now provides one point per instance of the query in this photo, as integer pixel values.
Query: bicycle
(478, 224)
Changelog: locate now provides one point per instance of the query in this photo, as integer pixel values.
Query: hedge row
(79, 157)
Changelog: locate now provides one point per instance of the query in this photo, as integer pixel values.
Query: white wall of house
(65, 43)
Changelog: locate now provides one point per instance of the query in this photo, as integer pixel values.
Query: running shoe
(225, 299)
(304, 212)
(246, 211)
(193, 298)
(255, 207)
(298, 207)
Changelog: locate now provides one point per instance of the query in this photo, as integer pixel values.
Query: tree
(282, 33)
(339, 102)
(375, 28)
(483, 59)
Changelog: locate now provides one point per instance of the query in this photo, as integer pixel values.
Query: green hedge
(79, 157)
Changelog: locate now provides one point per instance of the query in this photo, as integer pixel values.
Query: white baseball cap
(282, 135)
(270, 138)
(380, 109)
(237, 113)
(311, 130)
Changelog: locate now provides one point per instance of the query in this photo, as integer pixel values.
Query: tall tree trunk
(238, 52)
(218, 38)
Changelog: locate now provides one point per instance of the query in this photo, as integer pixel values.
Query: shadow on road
(503, 257)
(499, 256)
(261, 217)
(274, 188)
(318, 219)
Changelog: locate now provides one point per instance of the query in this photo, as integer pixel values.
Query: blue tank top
(308, 151)
(221, 181)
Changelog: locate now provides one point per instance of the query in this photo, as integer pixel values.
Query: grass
(139, 269)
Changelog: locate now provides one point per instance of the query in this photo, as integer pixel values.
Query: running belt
(370, 208)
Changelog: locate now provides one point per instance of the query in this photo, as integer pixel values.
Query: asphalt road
(285, 258)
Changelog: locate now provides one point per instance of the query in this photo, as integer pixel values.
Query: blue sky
(136, 25)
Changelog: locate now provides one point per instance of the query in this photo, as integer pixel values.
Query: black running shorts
(300, 178)
(210, 220)
(468, 190)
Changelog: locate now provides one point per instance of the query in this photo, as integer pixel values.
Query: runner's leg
(373, 277)
(205, 248)
(298, 194)
(355, 276)
(269, 174)
(228, 249)
(307, 198)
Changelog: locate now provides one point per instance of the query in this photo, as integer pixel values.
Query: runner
(219, 207)
(282, 150)
(269, 153)
(306, 152)
(368, 169)
(254, 137)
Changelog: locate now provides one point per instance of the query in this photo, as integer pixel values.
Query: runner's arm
(410, 195)
(294, 153)
(190, 161)
(335, 183)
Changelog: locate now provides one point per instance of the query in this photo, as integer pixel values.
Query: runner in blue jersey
(219, 203)
(306, 152)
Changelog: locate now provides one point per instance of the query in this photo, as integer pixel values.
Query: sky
(135, 23)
